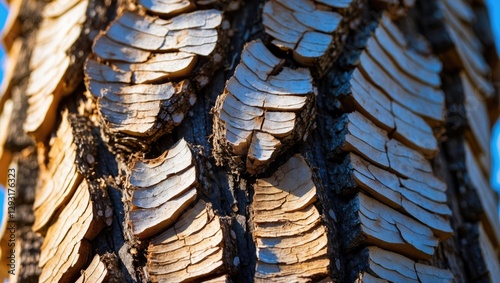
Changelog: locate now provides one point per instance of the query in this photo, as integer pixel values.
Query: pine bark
(354, 152)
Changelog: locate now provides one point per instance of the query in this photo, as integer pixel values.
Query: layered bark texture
(102, 269)
(249, 141)
(161, 189)
(378, 266)
(139, 73)
(264, 109)
(470, 96)
(62, 176)
(290, 239)
(312, 30)
(65, 249)
(60, 46)
(192, 249)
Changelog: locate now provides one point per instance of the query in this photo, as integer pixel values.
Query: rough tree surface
(248, 141)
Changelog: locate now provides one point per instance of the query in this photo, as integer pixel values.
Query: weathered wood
(5, 154)
(378, 265)
(371, 101)
(66, 247)
(170, 8)
(424, 204)
(427, 273)
(368, 221)
(429, 63)
(140, 62)
(355, 133)
(389, 115)
(421, 104)
(60, 176)
(384, 65)
(312, 31)
(488, 197)
(194, 33)
(413, 132)
(95, 272)
(478, 133)
(57, 9)
(161, 65)
(222, 279)
(180, 33)
(424, 100)
(408, 82)
(191, 250)
(60, 29)
(407, 60)
(143, 110)
(326, 280)
(264, 109)
(67, 226)
(167, 7)
(102, 269)
(290, 239)
(411, 164)
(358, 134)
(460, 9)
(288, 272)
(469, 40)
(161, 189)
(468, 47)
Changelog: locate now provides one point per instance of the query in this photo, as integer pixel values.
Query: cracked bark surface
(139, 74)
(161, 189)
(265, 109)
(217, 141)
(290, 239)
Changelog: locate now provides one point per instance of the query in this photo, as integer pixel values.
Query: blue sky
(494, 8)
(3, 15)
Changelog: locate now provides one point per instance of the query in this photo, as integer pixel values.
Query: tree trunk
(242, 141)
